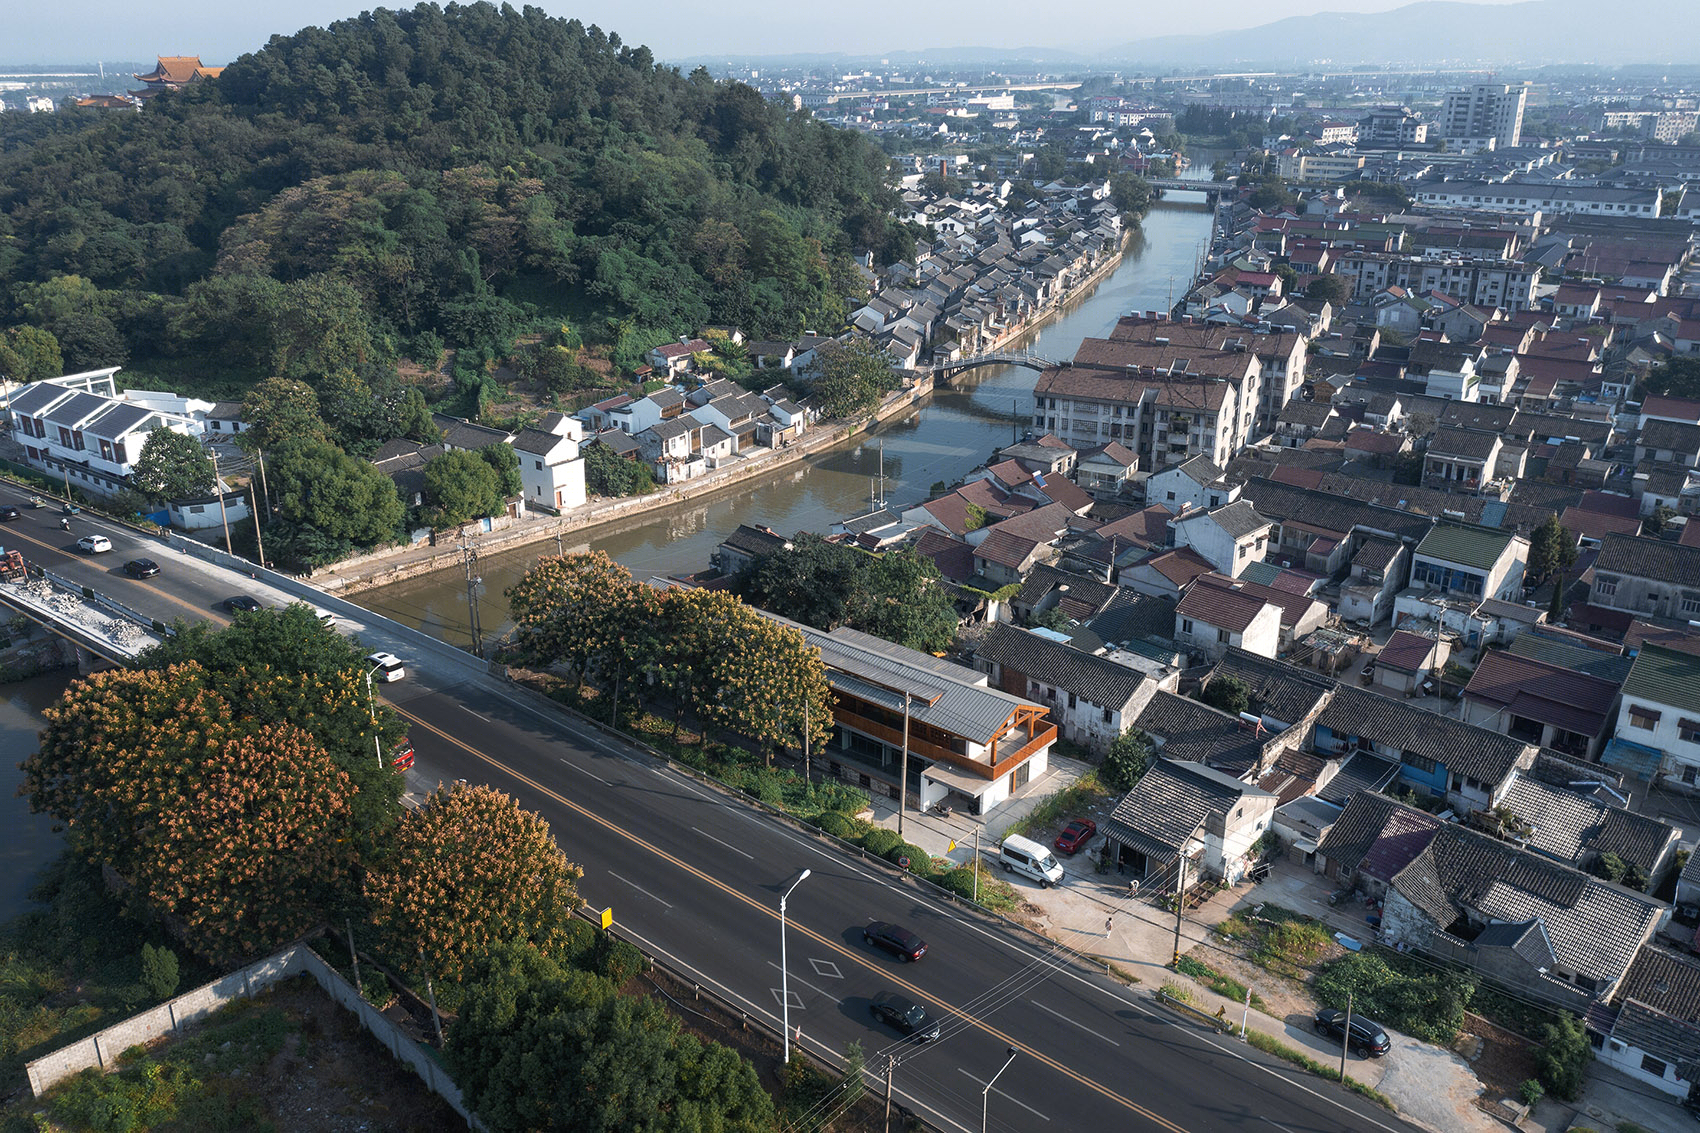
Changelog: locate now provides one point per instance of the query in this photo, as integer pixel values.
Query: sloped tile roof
(1543, 692)
(1283, 692)
(1665, 676)
(1569, 824)
(1368, 815)
(1199, 733)
(1476, 547)
(1169, 804)
(1097, 680)
(1227, 604)
(953, 557)
(1406, 651)
(1649, 558)
(1394, 724)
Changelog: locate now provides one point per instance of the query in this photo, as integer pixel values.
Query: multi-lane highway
(695, 876)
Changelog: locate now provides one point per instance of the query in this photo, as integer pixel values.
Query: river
(29, 841)
(942, 439)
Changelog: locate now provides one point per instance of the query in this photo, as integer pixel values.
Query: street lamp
(372, 712)
(986, 1094)
(784, 970)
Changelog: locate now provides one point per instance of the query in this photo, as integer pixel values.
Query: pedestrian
(1109, 923)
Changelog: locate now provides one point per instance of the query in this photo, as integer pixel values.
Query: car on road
(1368, 1037)
(401, 758)
(141, 568)
(895, 939)
(386, 667)
(9, 513)
(241, 604)
(94, 544)
(1075, 835)
(906, 1016)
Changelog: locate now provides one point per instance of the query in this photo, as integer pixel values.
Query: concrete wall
(102, 1049)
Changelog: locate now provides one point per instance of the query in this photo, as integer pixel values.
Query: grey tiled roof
(1466, 443)
(1045, 578)
(1674, 435)
(1527, 938)
(1170, 802)
(1238, 519)
(1571, 825)
(1362, 772)
(1658, 1034)
(1462, 748)
(1096, 680)
(1649, 558)
(1131, 616)
(1329, 512)
(1366, 817)
(1284, 692)
(1198, 733)
(459, 433)
(1595, 927)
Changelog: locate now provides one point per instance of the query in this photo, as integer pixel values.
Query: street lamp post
(986, 1094)
(784, 969)
(372, 712)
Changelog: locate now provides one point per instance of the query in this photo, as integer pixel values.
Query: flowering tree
(238, 829)
(464, 873)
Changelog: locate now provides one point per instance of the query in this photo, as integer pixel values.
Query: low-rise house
(1540, 703)
(1217, 612)
(1004, 557)
(1515, 917)
(1230, 537)
(1301, 420)
(1092, 699)
(1468, 766)
(1461, 460)
(1185, 812)
(1165, 574)
(1651, 1029)
(1374, 447)
(745, 546)
(1191, 484)
(1669, 442)
(1647, 577)
(1106, 471)
(1377, 575)
(459, 433)
(1658, 719)
(1579, 823)
(674, 358)
(1459, 565)
(1185, 729)
(403, 461)
(1282, 696)
(550, 468)
(1408, 659)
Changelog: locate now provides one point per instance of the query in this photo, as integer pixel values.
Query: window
(1107, 715)
(1653, 1066)
(1690, 602)
(1418, 762)
(1222, 636)
(1605, 584)
(1644, 718)
(1071, 703)
(1689, 730)
(1186, 625)
(1171, 495)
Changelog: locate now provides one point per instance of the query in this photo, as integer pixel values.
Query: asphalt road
(696, 877)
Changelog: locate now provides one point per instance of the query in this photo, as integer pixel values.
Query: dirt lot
(1503, 1060)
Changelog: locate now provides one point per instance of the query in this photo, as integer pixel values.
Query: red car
(1075, 835)
(402, 760)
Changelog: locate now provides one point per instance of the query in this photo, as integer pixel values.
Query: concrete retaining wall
(102, 1049)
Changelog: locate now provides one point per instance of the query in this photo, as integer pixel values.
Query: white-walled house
(1230, 537)
(1216, 612)
(1186, 810)
(1651, 1032)
(1658, 719)
(1194, 483)
(79, 427)
(550, 463)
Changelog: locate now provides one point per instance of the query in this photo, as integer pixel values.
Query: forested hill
(408, 178)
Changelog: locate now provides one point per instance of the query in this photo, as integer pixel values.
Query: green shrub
(578, 944)
(1429, 1006)
(159, 973)
(920, 862)
(1177, 992)
(617, 960)
(1531, 1092)
(1562, 1058)
(839, 825)
(880, 841)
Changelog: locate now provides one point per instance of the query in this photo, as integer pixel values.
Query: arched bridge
(993, 358)
(1182, 185)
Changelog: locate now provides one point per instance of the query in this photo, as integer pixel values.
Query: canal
(942, 439)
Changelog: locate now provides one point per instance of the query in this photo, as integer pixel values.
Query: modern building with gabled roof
(1541, 703)
(1658, 720)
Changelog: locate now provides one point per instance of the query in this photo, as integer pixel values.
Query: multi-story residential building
(1391, 127)
(80, 429)
(1484, 283)
(1218, 612)
(1230, 537)
(1649, 577)
(1456, 567)
(549, 463)
(1548, 197)
(1658, 720)
(1660, 125)
(1484, 110)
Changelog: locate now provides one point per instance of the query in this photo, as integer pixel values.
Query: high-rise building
(1485, 110)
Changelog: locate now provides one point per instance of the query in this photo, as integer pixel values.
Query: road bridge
(954, 366)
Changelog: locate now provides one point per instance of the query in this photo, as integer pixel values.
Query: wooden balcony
(1010, 750)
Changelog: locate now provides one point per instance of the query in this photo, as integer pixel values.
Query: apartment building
(1529, 198)
(1482, 111)
(1485, 283)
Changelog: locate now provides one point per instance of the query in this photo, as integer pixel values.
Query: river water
(946, 435)
(29, 841)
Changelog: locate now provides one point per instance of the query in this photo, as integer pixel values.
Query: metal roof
(1476, 547)
(1665, 676)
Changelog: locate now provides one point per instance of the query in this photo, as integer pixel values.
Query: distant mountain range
(1445, 32)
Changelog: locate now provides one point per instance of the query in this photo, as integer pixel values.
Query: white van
(1028, 858)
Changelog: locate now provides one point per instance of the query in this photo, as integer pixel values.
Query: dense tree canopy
(541, 1047)
(232, 822)
(465, 872)
(853, 376)
(896, 595)
(327, 503)
(460, 485)
(172, 465)
(347, 194)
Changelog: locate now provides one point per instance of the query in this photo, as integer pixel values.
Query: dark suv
(895, 939)
(1368, 1039)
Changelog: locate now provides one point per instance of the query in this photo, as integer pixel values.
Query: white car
(388, 665)
(94, 544)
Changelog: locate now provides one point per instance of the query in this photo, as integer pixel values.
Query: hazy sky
(220, 30)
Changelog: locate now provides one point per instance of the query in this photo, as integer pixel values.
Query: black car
(141, 568)
(1368, 1038)
(241, 604)
(9, 513)
(907, 1016)
(895, 939)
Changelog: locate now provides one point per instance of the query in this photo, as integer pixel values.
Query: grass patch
(1288, 944)
(1217, 982)
(1271, 1045)
(1177, 992)
(1077, 796)
(1118, 971)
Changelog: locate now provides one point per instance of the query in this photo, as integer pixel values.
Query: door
(1018, 778)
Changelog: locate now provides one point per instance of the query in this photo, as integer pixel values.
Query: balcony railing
(1010, 749)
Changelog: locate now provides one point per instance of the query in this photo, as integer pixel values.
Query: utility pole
(1180, 889)
(890, 1065)
(805, 737)
(1346, 1038)
(903, 768)
(469, 561)
(260, 459)
(259, 540)
(223, 515)
(976, 863)
(353, 956)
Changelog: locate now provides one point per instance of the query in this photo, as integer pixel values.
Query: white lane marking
(480, 715)
(640, 889)
(812, 987)
(728, 845)
(1072, 1023)
(592, 774)
(982, 1084)
(1278, 1125)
